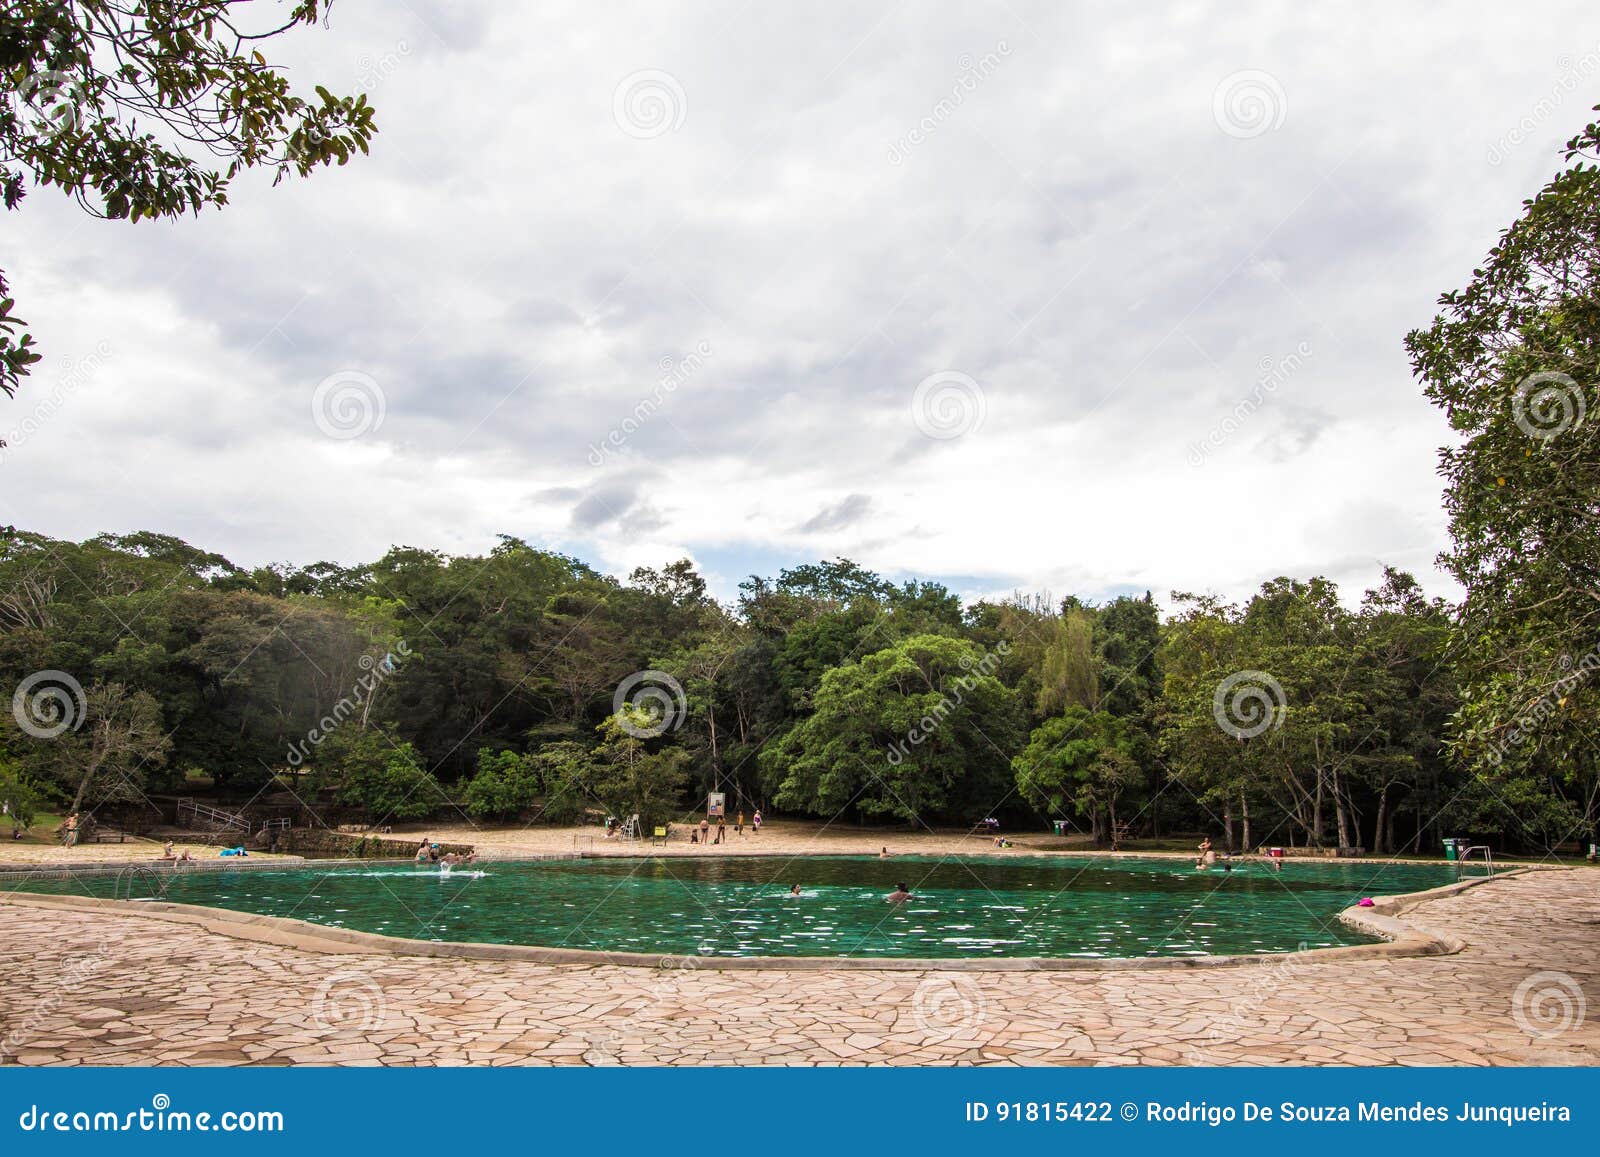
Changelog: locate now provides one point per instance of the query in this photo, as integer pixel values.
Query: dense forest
(524, 685)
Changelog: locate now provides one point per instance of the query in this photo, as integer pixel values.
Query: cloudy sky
(1005, 294)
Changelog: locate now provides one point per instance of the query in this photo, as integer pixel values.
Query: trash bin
(1060, 826)
(1452, 849)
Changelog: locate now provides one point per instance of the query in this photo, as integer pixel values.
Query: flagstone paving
(91, 987)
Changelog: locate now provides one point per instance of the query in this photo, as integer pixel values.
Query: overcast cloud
(1009, 295)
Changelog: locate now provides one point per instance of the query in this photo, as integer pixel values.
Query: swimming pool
(983, 906)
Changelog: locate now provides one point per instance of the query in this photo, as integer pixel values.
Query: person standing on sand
(755, 823)
(738, 824)
(722, 829)
(705, 830)
(69, 830)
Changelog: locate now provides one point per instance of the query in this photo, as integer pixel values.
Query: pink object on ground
(1365, 902)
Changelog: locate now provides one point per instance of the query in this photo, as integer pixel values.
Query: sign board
(716, 801)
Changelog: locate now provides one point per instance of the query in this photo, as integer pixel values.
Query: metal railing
(204, 815)
(1488, 858)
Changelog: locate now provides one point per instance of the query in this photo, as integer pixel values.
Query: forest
(523, 685)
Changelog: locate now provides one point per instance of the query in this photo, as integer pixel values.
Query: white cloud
(1076, 233)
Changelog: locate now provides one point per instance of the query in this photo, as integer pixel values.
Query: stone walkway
(96, 988)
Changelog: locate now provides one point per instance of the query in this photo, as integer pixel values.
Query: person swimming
(900, 894)
(794, 890)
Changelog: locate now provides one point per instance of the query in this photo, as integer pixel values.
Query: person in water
(423, 852)
(900, 894)
(794, 890)
(885, 853)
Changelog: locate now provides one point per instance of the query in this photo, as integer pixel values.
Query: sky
(1006, 295)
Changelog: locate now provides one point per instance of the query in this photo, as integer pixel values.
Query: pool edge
(1398, 939)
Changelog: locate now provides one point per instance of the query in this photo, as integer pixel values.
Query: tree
(20, 799)
(400, 788)
(109, 756)
(1080, 760)
(921, 730)
(94, 77)
(1513, 359)
(631, 779)
(548, 782)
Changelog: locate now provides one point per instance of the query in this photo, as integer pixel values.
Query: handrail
(201, 811)
(1488, 858)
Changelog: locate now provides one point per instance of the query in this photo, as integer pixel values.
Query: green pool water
(971, 906)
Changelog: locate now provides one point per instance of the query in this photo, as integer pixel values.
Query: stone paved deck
(97, 988)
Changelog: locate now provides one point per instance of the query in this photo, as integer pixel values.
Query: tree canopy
(142, 110)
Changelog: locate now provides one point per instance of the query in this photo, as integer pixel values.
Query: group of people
(428, 853)
(702, 834)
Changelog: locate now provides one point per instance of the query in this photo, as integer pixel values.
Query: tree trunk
(1227, 827)
(1314, 839)
(1244, 813)
(1379, 844)
(1341, 819)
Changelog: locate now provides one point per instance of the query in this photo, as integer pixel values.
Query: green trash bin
(1452, 849)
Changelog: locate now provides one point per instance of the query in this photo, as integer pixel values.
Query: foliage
(1513, 359)
(145, 110)
(921, 731)
(400, 788)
